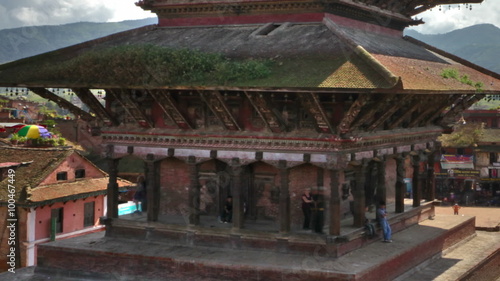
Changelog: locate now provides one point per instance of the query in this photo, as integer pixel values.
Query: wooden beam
(352, 113)
(442, 109)
(433, 104)
(133, 108)
(408, 112)
(44, 93)
(311, 102)
(418, 6)
(373, 108)
(170, 108)
(395, 105)
(88, 98)
(216, 104)
(263, 107)
(460, 105)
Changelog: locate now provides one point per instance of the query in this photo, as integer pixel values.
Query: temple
(259, 100)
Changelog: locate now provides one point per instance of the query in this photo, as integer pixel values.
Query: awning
(457, 162)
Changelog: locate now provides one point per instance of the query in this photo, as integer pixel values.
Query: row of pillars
(420, 180)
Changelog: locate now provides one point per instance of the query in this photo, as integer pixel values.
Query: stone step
(461, 260)
(159, 261)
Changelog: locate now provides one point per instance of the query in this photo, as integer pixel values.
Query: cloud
(54, 12)
(452, 17)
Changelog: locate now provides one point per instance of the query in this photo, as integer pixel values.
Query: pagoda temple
(259, 100)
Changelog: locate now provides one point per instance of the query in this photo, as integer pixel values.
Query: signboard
(127, 208)
(457, 162)
(459, 173)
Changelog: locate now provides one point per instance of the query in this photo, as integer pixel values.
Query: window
(493, 157)
(62, 176)
(460, 151)
(56, 216)
(79, 173)
(88, 214)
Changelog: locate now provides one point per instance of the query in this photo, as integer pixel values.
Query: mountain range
(479, 44)
(17, 43)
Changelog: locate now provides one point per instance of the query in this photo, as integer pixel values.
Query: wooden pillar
(335, 209)
(431, 186)
(400, 183)
(359, 194)
(237, 193)
(416, 187)
(382, 188)
(152, 188)
(112, 192)
(284, 198)
(194, 192)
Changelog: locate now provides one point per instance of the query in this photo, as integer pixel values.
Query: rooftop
(317, 56)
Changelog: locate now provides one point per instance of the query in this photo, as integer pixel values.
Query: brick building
(48, 184)
(259, 100)
(475, 180)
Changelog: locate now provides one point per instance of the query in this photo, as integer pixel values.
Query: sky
(19, 13)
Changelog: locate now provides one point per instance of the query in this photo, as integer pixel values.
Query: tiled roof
(72, 190)
(35, 165)
(38, 163)
(312, 55)
(490, 136)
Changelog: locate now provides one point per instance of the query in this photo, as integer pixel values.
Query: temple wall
(174, 183)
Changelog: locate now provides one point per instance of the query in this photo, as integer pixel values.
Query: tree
(464, 135)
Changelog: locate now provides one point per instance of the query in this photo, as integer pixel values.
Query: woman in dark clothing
(306, 208)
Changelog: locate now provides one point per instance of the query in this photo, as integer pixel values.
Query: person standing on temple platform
(140, 195)
(318, 210)
(456, 207)
(384, 224)
(307, 204)
(227, 212)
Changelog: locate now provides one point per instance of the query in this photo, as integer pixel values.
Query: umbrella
(34, 132)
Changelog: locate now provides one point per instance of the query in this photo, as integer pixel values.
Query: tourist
(140, 195)
(306, 208)
(456, 207)
(384, 224)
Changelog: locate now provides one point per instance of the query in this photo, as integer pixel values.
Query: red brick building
(47, 184)
(259, 100)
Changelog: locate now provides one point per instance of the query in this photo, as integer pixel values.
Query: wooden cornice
(169, 106)
(398, 101)
(216, 104)
(263, 107)
(44, 93)
(123, 97)
(91, 101)
(311, 103)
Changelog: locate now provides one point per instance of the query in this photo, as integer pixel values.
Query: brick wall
(174, 185)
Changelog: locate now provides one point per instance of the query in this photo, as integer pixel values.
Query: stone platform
(133, 259)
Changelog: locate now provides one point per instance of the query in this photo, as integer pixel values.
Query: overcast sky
(17, 13)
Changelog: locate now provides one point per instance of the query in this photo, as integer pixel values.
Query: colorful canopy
(34, 132)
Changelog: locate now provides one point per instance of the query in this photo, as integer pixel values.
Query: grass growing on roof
(151, 65)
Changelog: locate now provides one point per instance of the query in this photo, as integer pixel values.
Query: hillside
(479, 44)
(23, 42)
